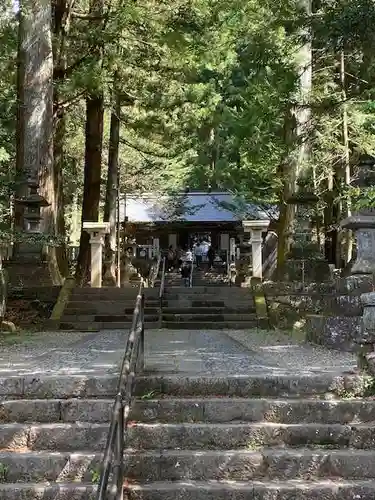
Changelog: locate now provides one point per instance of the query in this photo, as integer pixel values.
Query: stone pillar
(224, 241)
(156, 246)
(232, 250)
(366, 337)
(172, 240)
(97, 232)
(256, 228)
(364, 228)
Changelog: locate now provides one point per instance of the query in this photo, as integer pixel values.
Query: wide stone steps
(177, 465)
(281, 385)
(204, 490)
(190, 410)
(96, 326)
(209, 325)
(92, 436)
(266, 437)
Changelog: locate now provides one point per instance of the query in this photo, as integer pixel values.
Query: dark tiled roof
(191, 207)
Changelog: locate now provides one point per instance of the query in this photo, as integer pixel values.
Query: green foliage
(206, 90)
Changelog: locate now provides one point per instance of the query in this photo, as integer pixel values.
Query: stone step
(283, 385)
(56, 410)
(206, 318)
(106, 307)
(220, 410)
(96, 326)
(150, 324)
(88, 326)
(247, 465)
(251, 436)
(215, 410)
(112, 296)
(177, 465)
(212, 290)
(69, 324)
(113, 318)
(287, 385)
(205, 325)
(57, 436)
(42, 466)
(192, 490)
(208, 310)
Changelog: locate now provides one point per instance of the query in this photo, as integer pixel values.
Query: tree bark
(35, 116)
(93, 156)
(61, 24)
(347, 237)
(288, 174)
(296, 137)
(92, 179)
(110, 208)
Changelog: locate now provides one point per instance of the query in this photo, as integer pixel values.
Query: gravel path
(64, 353)
(240, 352)
(209, 352)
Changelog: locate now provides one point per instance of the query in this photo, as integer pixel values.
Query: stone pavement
(168, 351)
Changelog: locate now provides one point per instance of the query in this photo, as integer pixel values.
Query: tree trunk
(35, 115)
(288, 174)
(347, 236)
(110, 208)
(92, 179)
(61, 23)
(93, 157)
(59, 141)
(296, 137)
(20, 187)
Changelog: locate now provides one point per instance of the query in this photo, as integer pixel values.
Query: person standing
(198, 253)
(186, 267)
(211, 257)
(171, 256)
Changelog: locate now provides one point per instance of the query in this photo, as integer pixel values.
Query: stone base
(334, 332)
(7, 327)
(315, 270)
(23, 274)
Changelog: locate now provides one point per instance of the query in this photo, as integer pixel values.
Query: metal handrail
(229, 277)
(191, 275)
(113, 459)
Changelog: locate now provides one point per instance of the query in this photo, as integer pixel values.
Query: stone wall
(327, 313)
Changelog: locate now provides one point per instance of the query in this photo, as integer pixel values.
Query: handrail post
(191, 275)
(141, 354)
(161, 291)
(113, 458)
(119, 455)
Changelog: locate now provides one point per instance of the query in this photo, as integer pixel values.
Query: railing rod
(119, 456)
(114, 450)
(103, 482)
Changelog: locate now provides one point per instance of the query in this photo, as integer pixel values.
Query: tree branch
(69, 102)
(88, 17)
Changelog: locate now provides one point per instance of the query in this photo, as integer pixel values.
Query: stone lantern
(97, 232)
(256, 228)
(32, 203)
(305, 261)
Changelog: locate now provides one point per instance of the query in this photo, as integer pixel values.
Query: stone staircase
(94, 309)
(270, 437)
(208, 307)
(201, 277)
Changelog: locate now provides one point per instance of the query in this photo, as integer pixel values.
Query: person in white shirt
(187, 263)
(198, 252)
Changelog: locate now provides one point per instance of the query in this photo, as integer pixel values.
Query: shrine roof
(190, 207)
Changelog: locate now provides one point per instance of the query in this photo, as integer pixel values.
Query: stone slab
(251, 436)
(221, 410)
